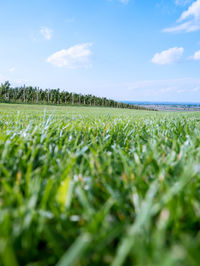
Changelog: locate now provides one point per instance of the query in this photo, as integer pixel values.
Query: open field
(98, 186)
(173, 107)
(168, 107)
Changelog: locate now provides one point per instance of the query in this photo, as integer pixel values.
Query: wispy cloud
(182, 2)
(14, 82)
(189, 20)
(180, 90)
(196, 89)
(189, 26)
(46, 32)
(169, 56)
(11, 69)
(124, 1)
(196, 56)
(74, 57)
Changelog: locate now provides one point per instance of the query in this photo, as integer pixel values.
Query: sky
(136, 50)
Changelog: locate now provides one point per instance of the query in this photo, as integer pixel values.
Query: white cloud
(46, 32)
(192, 15)
(196, 56)
(189, 26)
(169, 56)
(193, 11)
(74, 57)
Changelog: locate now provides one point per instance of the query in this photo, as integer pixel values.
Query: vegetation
(36, 95)
(98, 186)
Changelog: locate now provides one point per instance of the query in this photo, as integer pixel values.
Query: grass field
(98, 186)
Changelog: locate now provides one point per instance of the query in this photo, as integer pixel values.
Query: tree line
(36, 95)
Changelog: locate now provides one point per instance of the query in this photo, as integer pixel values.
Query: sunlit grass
(98, 186)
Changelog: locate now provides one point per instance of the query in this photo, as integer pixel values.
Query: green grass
(98, 186)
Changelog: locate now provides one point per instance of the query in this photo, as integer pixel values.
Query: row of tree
(29, 94)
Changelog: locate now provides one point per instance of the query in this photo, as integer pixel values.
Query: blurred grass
(98, 186)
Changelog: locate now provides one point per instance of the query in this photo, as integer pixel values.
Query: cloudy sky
(143, 50)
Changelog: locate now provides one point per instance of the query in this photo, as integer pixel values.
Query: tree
(5, 91)
(55, 96)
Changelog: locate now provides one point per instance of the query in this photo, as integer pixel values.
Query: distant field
(98, 186)
(173, 107)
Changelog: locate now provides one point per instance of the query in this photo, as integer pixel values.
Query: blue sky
(143, 50)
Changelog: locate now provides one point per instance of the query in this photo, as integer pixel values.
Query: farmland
(98, 186)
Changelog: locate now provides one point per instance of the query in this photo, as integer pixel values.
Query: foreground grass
(97, 186)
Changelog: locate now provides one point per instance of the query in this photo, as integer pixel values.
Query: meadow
(98, 186)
